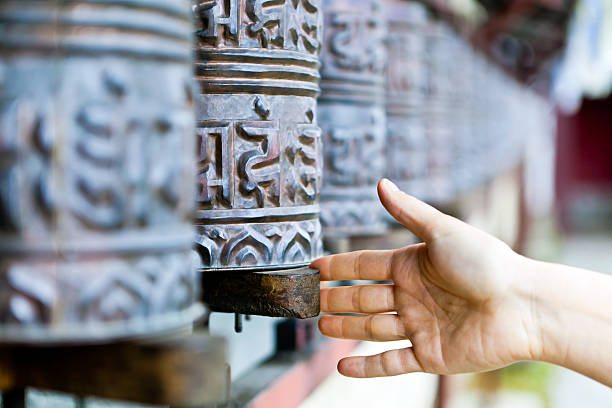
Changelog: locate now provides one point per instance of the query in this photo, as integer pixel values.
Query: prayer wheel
(438, 110)
(259, 145)
(462, 176)
(96, 177)
(352, 117)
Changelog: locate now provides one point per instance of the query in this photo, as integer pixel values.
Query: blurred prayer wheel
(438, 109)
(96, 177)
(406, 83)
(259, 143)
(463, 105)
(352, 117)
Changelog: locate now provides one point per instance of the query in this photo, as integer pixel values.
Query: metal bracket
(278, 293)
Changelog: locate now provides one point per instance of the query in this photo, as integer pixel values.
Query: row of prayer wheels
(100, 185)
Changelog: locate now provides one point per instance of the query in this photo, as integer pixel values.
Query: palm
(445, 320)
(447, 298)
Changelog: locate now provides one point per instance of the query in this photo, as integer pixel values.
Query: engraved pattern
(304, 154)
(214, 169)
(407, 159)
(250, 245)
(26, 143)
(304, 26)
(406, 75)
(352, 46)
(345, 217)
(113, 184)
(269, 24)
(267, 17)
(354, 40)
(114, 289)
(257, 156)
(355, 155)
(257, 176)
(216, 21)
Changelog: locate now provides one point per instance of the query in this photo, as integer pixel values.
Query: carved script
(113, 183)
(271, 24)
(257, 157)
(356, 41)
(303, 156)
(355, 155)
(214, 170)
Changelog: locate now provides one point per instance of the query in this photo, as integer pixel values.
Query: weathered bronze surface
(352, 117)
(406, 87)
(96, 185)
(259, 143)
(184, 371)
(282, 293)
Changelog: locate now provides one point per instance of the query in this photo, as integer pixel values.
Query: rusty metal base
(278, 293)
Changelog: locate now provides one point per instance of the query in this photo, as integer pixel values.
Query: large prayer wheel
(258, 139)
(96, 177)
(352, 117)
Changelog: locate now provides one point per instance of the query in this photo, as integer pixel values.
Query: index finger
(359, 265)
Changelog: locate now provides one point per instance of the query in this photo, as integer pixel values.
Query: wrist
(539, 289)
(527, 287)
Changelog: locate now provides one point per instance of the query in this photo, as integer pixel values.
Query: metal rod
(237, 322)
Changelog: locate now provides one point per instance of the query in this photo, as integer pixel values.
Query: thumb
(422, 219)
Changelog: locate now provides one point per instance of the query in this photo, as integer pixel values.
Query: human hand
(458, 297)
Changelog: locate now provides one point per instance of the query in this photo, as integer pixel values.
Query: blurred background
(533, 168)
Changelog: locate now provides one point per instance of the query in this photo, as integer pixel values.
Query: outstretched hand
(456, 296)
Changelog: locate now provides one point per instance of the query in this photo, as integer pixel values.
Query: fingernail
(390, 185)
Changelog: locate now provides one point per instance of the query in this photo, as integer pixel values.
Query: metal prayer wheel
(96, 184)
(352, 117)
(406, 87)
(259, 144)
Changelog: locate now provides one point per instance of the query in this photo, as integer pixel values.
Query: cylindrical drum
(406, 85)
(258, 140)
(96, 177)
(352, 117)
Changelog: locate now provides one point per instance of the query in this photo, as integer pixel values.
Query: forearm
(572, 314)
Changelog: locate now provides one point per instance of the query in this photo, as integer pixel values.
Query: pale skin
(465, 301)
